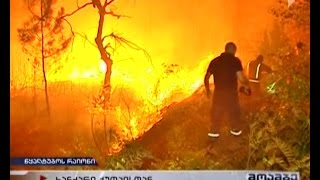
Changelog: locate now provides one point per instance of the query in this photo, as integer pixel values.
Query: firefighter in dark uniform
(301, 50)
(227, 71)
(255, 70)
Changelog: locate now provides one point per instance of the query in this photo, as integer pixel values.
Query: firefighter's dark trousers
(225, 102)
(256, 96)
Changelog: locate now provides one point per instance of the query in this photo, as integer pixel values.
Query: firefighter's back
(224, 72)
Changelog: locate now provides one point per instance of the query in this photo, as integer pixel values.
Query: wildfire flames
(180, 53)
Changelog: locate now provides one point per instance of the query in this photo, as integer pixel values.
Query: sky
(182, 32)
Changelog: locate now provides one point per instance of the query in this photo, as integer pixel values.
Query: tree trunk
(107, 82)
(105, 57)
(34, 91)
(43, 62)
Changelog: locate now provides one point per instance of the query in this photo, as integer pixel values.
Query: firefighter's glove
(245, 90)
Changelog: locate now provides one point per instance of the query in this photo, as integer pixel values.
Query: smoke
(182, 32)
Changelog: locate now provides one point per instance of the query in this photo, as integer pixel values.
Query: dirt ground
(192, 116)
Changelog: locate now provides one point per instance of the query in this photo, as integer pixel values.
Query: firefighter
(299, 48)
(255, 70)
(226, 70)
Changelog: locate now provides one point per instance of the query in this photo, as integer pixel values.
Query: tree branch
(77, 3)
(122, 42)
(87, 39)
(127, 59)
(79, 8)
(30, 10)
(107, 3)
(71, 29)
(97, 3)
(115, 15)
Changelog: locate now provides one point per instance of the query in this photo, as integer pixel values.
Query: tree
(43, 30)
(103, 43)
(295, 20)
(280, 130)
(274, 42)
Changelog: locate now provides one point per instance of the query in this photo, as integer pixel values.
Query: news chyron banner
(153, 175)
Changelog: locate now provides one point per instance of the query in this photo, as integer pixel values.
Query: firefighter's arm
(243, 79)
(245, 83)
(206, 82)
(207, 77)
(268, 69)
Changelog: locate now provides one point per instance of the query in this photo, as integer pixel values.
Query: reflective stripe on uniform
(254, 81)
(258, 70)
(248, 68)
